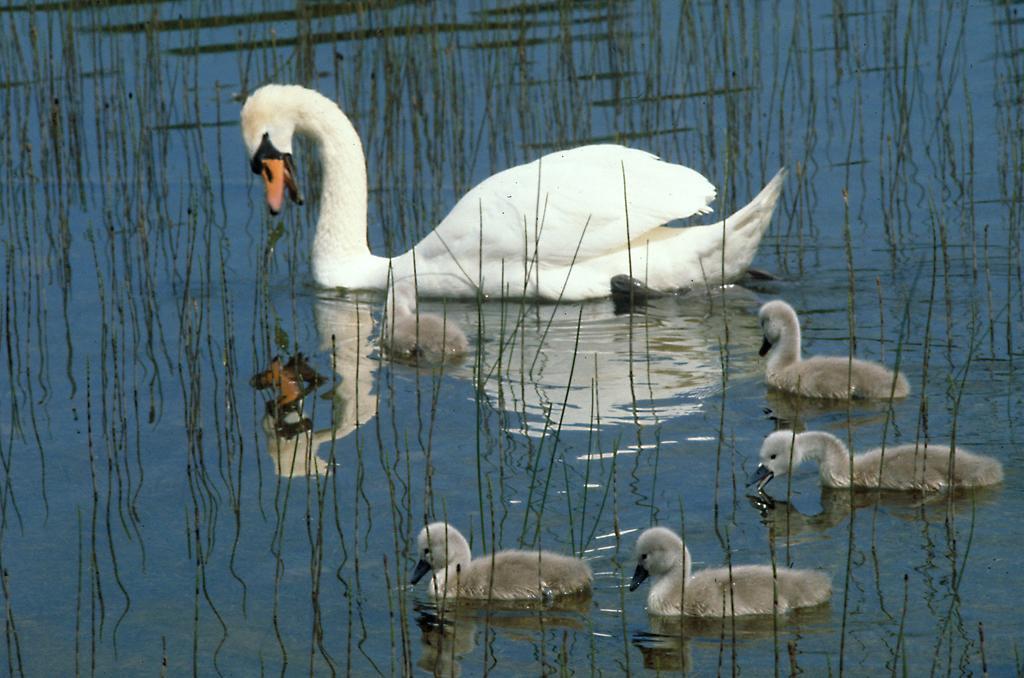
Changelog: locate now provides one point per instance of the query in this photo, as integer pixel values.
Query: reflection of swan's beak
(765, 347)
(422, 568)
(639, 575)
(761, 476)
(278, 174)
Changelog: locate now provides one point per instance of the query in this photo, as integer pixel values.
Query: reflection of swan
(899, 467)
(554, 228)
(291, 448)
(832, 377)
(622, 369)
(505, 575)
(345, 327)
(719, 592)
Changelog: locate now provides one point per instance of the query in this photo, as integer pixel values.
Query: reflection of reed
(405, 29)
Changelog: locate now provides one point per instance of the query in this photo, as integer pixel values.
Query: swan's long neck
(340, 242)
(832, 455)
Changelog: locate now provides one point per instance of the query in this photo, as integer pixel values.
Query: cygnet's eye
(426, 551)
(773, 456)
(643, 556)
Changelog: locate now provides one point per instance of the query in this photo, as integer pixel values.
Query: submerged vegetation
(154, 515)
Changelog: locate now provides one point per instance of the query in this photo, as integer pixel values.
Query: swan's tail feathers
(757, 214)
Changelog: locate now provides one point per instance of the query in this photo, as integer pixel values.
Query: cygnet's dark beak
(639, 574)
(761, 476)
(422, 568)
(765, 347)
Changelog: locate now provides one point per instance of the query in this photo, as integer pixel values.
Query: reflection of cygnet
(412, 335)
(902, 467)
(444, 643)
(820, 376)
(505, 575)
(719, 592)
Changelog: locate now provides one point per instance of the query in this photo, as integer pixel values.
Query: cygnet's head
(439, 545)
(777, 318)
(268, 122)
(659, 550)
(778, 455)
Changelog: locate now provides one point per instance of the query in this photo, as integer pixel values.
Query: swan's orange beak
(277, 176)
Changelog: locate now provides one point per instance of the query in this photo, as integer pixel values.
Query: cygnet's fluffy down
(411, 335)
(719, 592)
(505, 575)
(819, 377)
(901, 467)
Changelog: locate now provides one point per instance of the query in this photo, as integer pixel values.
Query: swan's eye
(643, 556)
(426, 552)
(773, 456)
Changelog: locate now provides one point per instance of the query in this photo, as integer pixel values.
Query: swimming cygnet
(833, 377)
(505, 575)
(902, 467)
(412, 335)
(719, 592)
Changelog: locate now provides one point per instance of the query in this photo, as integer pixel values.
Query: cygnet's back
(412, 335)
(753, 590)
(915, 467)
(505, 575)
(836, 377)
(523, 575)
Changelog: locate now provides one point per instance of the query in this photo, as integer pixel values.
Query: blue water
(151, 520)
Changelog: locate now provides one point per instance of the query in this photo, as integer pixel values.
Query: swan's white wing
(546, 204)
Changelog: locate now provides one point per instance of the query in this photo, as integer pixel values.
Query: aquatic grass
(439, 115)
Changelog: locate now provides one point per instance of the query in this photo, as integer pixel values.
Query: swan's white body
(719, 592)
(558, 227)
(900, 467)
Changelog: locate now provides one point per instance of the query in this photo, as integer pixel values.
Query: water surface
(154, 518)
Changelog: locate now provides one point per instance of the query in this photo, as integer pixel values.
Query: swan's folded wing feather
(548, 203)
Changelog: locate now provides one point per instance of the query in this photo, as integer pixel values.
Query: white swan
(719, 592)
(519, 233)
(831, 377)
(411, 335)
(505, 575)
(901, 467)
